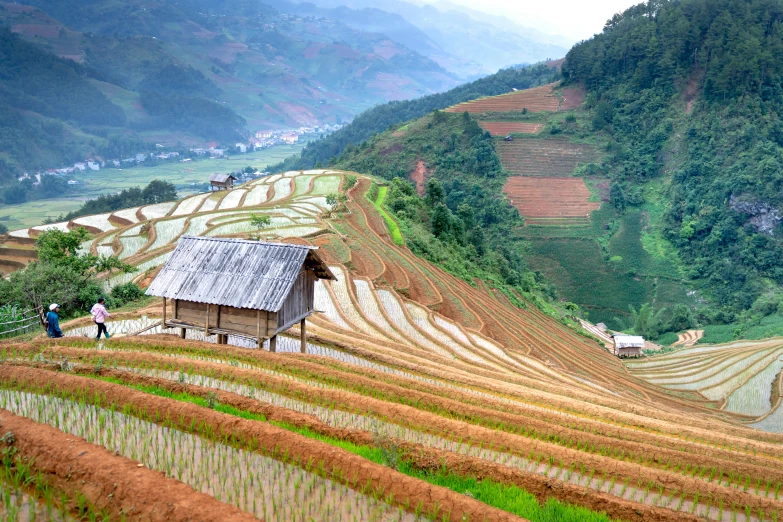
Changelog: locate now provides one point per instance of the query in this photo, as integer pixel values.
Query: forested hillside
(384, 116)
(689, 94)
(453, 212)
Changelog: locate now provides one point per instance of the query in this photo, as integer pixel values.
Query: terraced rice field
(539, 99)
(544, 157)
(214, 214)
(689, 338)
(539, 197)
(741, 377)
(503, 128)
(419, 397)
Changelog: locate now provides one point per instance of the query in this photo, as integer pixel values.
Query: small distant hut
(250, 289)
(222, 181)
(628, 345)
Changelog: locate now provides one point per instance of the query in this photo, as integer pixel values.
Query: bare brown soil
(550, 197)
(692, 89)
(419, 177)
(341, 465)
(538, 99)
(27, 254)
(689, 338)
(110, 483)
(572, 98)
(9, 266)
(502, 128)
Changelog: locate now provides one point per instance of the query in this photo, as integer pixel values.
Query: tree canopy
(690, 92)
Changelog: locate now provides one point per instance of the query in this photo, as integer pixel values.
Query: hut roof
(221, 178)
(234, 272)
(628, 341)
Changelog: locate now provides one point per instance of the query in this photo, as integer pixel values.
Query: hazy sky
(575, 19)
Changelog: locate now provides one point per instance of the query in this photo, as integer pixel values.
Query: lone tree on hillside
(259, 222)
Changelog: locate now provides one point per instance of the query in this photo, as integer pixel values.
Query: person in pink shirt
(99, 315)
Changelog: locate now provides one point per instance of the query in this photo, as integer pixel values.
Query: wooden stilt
(273, 343)
(182, 333)
(260, 339)
(303, 336)
(164, 312)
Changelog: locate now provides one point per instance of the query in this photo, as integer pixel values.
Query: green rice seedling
(214, 468)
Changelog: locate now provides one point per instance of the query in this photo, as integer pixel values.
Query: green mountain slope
(454, 212)
(688, 93)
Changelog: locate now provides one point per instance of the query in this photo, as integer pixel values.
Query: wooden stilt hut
(222, 181)
(251, 289)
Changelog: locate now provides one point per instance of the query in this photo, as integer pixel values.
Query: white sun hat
(53, 306)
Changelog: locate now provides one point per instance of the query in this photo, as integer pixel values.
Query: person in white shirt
(99, 315)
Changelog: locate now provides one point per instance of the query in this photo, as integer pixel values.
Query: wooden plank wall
(300, 301)
(240, 320)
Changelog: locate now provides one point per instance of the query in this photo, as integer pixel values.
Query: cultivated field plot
(539, 99)
(216, 214)
(502, 128)
(742, 377)
(550, 197)
(544, 157)
(414, 385)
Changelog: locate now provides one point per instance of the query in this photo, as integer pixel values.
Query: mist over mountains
(463, 41)
(136, 73)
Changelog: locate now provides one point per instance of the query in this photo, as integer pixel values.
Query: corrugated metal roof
(220, 178)
(628, 341)
(234, 272)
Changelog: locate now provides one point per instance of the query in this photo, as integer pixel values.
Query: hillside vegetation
(689, 95)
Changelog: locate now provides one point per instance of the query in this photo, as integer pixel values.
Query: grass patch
(770, 326)
(667, 339)
(582, 275)
(187, 397)
(394, 229)
(627, 243)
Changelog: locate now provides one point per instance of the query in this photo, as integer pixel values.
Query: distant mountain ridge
(472, 44)
(184, 71)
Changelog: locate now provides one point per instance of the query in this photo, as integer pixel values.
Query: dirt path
(419, 176)
(111, 483)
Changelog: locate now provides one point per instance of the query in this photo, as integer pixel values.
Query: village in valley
(261, 139)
